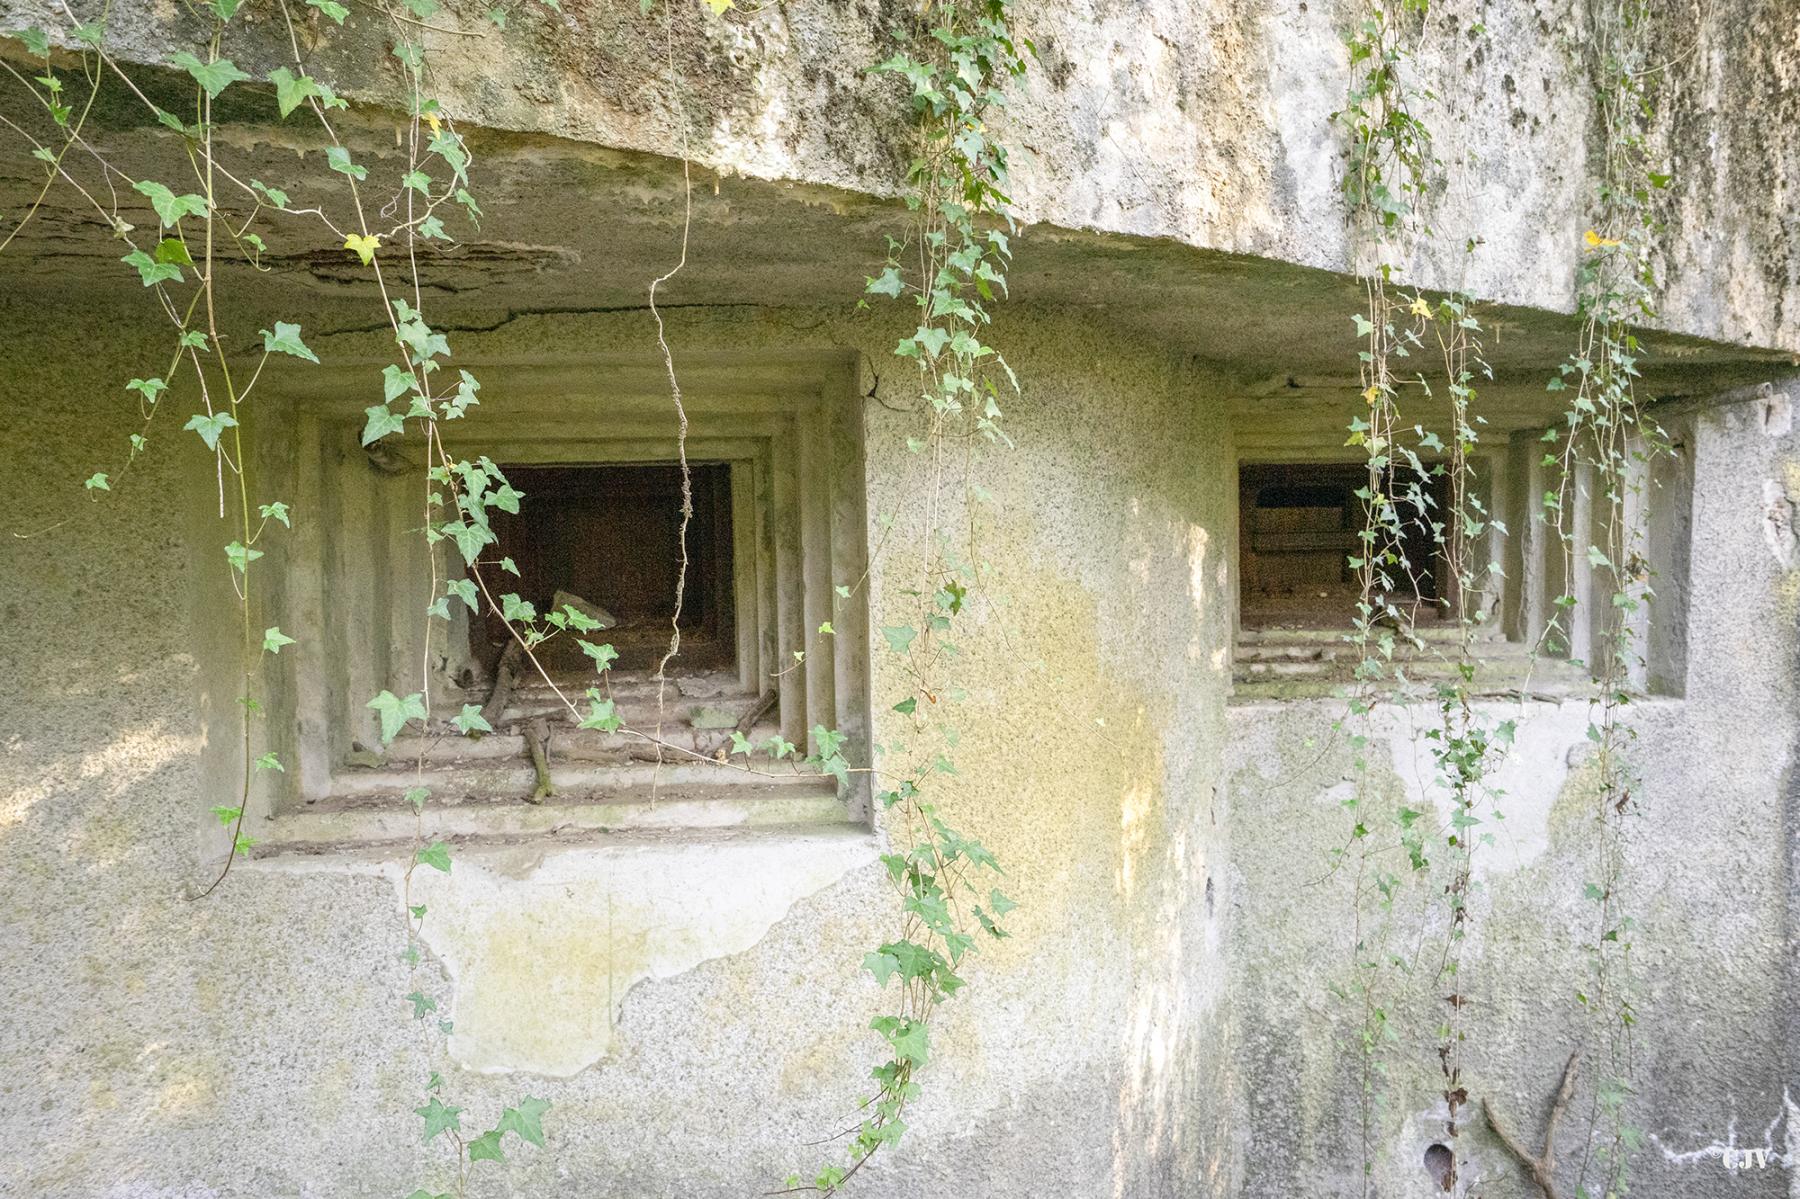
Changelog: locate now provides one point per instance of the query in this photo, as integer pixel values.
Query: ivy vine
(1604, 445)
(950, 266)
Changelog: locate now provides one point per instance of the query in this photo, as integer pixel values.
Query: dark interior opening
(611, 535)
(1299, 527)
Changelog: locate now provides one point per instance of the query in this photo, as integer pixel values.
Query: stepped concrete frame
(682, 979)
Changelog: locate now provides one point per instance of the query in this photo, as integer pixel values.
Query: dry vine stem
(1541, 1165)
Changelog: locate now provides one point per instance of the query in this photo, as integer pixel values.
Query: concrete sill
(382, 820)
(1302, 663)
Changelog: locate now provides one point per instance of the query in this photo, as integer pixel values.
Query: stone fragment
(706, 716)
(364, 758)
(593, 611)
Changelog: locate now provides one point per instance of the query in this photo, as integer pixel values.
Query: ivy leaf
(446, 144)
(210, 427)
(274, 195)
(395, 382)
(35, 41)
(275, 511)
(718, 6)
(364, 247)
(214, 76)
(173, 250)
(337, 12)
(171, 121)
(886, 284)
(227, 816)
(932, 339)
(286, 340)
(338, 159)
(416, 796)
(464, 590)
(274, 639)
(911, 959)
(603, 655)
(486, 1147)
(470, 720)
(526, 1120)
(148, 388)
(421, 1004)
(908, 1038)
(436, 855)
(270, 761)
(439, 1118)
(882, 965)
(602, 713)
(240, 557)
(170, 207)
(828, 740)
(97, 482)
(395, 712)
(291, 90)
(382, 421)
(899, 637)
(505, 498)
(469, 539)
(151, 271)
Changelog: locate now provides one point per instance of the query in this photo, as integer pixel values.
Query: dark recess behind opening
(611, 534)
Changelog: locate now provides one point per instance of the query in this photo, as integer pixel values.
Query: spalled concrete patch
(542, 950)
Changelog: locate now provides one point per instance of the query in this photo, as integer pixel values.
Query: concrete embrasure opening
(610, 536)
(1301, 525)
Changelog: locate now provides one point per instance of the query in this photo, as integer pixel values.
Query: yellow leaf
(364, 246)
(718, 6)
(1595, 241)
(431, 118)
(1421, 308)
(1371, 395)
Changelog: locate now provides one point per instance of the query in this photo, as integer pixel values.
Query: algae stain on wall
(542, 950)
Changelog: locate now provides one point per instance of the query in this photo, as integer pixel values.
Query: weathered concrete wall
(257, 1044)
(1711, 836)
(1203, 121)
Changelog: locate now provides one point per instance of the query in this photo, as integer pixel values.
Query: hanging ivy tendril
(950, 266)
(1603, 447)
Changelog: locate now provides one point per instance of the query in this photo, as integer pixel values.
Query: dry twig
(1541, 1166)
